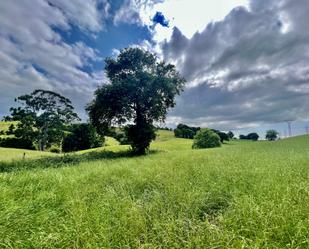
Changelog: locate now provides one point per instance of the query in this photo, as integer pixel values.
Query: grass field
(4, 126)
(242, 195)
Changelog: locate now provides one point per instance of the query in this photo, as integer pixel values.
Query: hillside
(242, 195)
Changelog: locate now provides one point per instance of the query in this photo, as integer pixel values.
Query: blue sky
(245, 61)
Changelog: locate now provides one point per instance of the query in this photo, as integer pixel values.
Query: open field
(242, 195)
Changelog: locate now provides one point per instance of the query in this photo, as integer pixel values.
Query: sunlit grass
(242, 195)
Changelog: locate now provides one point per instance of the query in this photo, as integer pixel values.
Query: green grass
(9, 154)
(4, 126)
(242, 195)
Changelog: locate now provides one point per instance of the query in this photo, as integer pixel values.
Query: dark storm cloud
(250, 68)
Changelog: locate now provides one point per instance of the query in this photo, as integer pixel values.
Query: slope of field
(242, 195)
(4, 126)
(8, 154)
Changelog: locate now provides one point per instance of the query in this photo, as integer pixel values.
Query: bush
(55, 150)
(19, 143)
(206, 138)
(81, 137)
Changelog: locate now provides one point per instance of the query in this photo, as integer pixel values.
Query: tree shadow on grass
(65, 160)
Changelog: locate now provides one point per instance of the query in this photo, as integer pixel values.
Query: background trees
(42, 116)
(271, 135)
(141, 90)
(230, 134)
(81, 137)
(251, 136)
(185, 131)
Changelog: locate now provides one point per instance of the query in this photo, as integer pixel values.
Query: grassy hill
(242, 195)
(4, 126)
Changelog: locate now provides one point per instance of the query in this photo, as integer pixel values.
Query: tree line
(139, 92)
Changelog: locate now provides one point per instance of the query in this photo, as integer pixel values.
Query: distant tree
(141, 90)
(230, 134)
(251, 136)
(223, 136)
(185, 131)
(206, 138)
(42, 117)
(271, 135)
(81, 137)
(242, 137)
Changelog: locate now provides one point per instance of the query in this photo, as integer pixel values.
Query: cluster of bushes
(251, 136)
(19, 143)
(185, 131)
(163, 128)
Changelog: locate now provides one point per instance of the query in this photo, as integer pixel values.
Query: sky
(245, 61)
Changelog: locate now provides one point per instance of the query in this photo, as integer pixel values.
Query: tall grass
(243, 195)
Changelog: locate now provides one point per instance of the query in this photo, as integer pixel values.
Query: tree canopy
(141, 89)
(42, 115)
(271, 135)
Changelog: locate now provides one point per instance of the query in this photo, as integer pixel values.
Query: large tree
(140, 91)
(42, 116)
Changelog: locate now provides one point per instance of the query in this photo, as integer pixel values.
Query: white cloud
(83, 13)
(33, 55)
(189, 16)
(246, 69)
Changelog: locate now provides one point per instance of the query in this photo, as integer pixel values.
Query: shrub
(19, 143)
(206, 138)
(55, 150)
(82, 137)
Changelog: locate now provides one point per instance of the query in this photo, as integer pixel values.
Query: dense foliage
(206, 138)
(42, 116)
(230, 134)
(19, 143)
(223, 136)
(185, 131)
(140, 91)
(81, 137)
(251, 136)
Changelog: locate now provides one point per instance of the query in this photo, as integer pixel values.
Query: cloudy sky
(246, 61)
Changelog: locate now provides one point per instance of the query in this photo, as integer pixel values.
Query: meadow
(242, 195)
